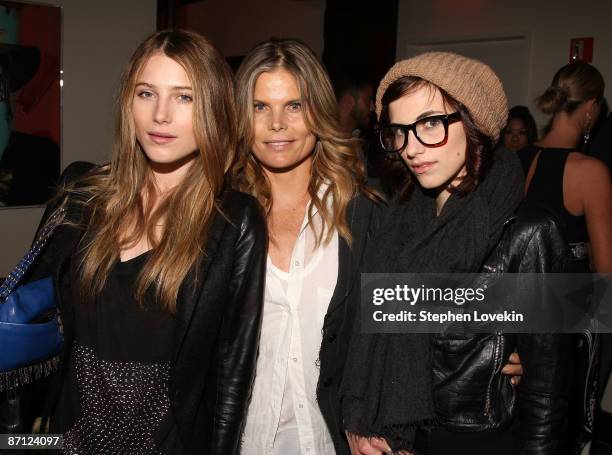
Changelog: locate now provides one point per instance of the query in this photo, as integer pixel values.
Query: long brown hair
(121, 196)
(398, 180)
(335, 158)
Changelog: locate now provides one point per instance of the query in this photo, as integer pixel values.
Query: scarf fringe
(395, 429)
(26, 375)
(400, 437)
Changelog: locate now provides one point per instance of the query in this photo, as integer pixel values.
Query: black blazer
(362, 216)
(217, 330)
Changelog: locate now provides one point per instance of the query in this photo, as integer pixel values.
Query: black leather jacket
(471, 393)
(217, 330)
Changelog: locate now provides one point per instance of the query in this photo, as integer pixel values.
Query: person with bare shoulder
(576, 189)
(574, 186)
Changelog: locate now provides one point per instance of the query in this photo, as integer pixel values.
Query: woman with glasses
(440, 115)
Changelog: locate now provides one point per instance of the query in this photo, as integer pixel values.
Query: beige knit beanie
(469, 81)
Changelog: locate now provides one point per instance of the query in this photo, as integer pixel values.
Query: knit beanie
(469, 81)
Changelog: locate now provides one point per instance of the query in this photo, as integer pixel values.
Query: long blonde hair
(335, 158)
(122, 194)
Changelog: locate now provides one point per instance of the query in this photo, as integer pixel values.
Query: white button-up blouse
(283, 416)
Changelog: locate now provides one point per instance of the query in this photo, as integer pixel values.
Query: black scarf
(387, 385)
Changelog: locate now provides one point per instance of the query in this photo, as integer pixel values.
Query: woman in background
(160, 269)
(574, 186)
(520, 131)
(577, 190)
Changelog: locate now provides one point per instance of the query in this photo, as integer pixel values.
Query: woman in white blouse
(306, 174)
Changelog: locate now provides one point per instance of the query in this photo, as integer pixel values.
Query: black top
(218, 319)
(117, 385)
(546, 189)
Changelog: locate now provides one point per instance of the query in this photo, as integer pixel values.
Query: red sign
(581, 49)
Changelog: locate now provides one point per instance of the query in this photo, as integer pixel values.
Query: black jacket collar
(359, 214)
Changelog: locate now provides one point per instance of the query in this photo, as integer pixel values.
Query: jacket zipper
(588, 421)
(498, 349)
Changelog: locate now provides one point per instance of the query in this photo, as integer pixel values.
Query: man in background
(357, 117)
(29, 164)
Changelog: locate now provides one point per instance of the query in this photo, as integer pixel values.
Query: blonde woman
(574, 186)
(577, 189)
(160, 269)
(295, 159)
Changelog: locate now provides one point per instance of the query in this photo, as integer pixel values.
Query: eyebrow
(429, 113)
(176, 87)
(297, 100)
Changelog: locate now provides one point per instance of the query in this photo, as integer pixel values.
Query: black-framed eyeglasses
(430, 131)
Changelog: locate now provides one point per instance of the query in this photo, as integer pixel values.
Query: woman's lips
(421, 168)
(161, 138)
(278, 145)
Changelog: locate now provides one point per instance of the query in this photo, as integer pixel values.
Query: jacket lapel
(359, 213)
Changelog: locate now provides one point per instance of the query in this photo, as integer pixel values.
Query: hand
(513, 368)
(360, 445)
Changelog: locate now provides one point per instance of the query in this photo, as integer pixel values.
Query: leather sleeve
(543, 393)
(239, 335)
(546, 358)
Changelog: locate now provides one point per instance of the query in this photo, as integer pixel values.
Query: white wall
(547, 25)
(98, 39)
(235, 26)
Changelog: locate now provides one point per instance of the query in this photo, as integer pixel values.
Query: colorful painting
(30, 109)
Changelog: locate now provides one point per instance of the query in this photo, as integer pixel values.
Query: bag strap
(45, 232)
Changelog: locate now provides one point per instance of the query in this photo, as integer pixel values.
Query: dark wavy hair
(396, 178)
(522, 113)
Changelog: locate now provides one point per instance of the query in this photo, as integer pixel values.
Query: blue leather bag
(30, 335)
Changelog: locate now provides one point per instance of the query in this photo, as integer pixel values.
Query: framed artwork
(30, 102)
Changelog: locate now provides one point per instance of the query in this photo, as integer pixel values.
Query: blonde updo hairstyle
(572, 85)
